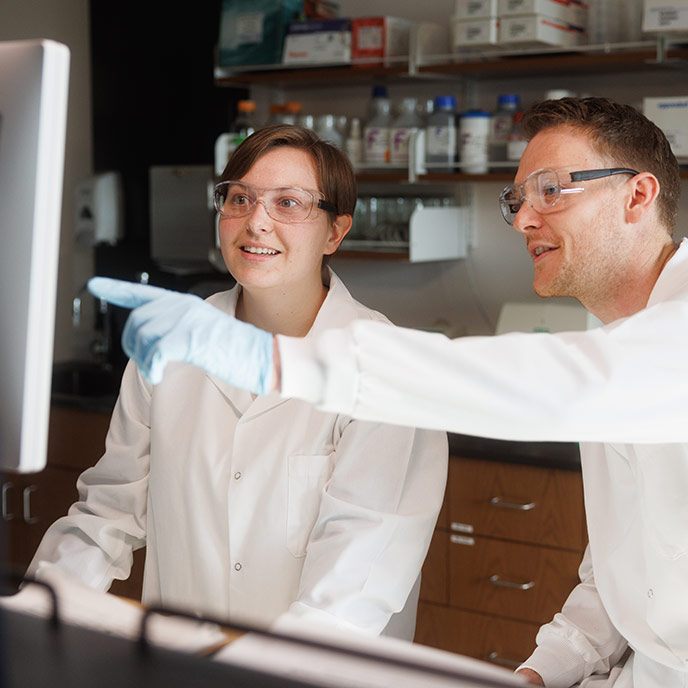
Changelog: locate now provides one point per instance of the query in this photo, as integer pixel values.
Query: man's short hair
(620, 133)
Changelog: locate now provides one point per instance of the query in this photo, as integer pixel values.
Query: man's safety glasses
(284, 204)
(543, 188)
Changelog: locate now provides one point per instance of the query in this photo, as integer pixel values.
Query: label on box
(249, 28)
(370, 38)
(665, 16)
(475, 9)
(671, 116)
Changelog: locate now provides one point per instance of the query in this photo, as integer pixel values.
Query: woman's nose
(258, 218)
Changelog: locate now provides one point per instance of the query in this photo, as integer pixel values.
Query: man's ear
(644, 192)
(339, 229)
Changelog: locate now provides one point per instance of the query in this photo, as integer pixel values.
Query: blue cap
(475, 113)
(508, 98)
(379, 91)
(445, 101)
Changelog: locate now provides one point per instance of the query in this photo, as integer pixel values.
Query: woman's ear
(644, 192)
(339, 229)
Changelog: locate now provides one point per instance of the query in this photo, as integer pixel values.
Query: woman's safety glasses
(543, 188)
(284, 204)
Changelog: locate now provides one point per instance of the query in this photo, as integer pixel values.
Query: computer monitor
(34, 76)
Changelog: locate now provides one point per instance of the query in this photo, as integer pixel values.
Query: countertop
(564, 455)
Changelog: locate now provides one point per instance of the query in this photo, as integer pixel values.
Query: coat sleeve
(95, 541)
(619, 383)
(580, 640)
(376, 519)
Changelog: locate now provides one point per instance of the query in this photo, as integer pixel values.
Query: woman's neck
(281, 311)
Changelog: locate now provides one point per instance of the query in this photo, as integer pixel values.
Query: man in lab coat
(596, 200)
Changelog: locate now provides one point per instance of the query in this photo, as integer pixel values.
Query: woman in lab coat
(261, 508)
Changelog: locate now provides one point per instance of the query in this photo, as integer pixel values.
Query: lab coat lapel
(333, 313)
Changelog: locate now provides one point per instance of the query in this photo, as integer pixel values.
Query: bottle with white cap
(376, 131)
(474, 134)
(402, 129)
(354, 142)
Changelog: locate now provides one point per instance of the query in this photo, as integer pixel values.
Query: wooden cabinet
(503, 559)
(32, 502)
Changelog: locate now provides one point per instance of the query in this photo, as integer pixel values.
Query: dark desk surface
(563, 455)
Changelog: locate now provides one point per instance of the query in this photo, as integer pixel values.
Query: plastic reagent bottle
(440, 135)
(402, 129)
(500, 125)
(376, 131)
(354, 142)
(474, 134)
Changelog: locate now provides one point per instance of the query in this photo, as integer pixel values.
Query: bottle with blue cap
(508, 105)
(440, 135)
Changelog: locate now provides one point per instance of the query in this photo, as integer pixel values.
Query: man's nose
(526, 218)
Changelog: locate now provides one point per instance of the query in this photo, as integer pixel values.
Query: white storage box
(378, 37)
(660, 15)
(671, 116)
(475, 9)
(324, 41)
(535, 30)
(474, 34)
(564, 10)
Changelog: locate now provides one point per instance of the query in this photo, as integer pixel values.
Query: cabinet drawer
(500, 641)
(517, 502)
(31, 503)
(509, 579)
(434, 578)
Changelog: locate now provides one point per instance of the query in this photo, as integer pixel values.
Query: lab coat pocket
(308, 476)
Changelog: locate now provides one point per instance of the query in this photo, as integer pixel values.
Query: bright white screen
(33, 112)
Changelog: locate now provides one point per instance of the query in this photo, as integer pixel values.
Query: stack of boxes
(480, 24)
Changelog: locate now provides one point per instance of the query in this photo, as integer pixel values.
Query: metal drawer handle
(498, 501)
(494, 657)
(6, 514)
(496, 580)
(28, 518)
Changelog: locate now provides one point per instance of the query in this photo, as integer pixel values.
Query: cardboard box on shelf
(252, 31)
(665, 16)
(474, 34)
(475, 9)
(536, 30)
(322, 41)
(564, 10)
(379, 37)
(671, 116)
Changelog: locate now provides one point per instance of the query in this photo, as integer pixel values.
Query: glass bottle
(500, 125)
(376, 131)
(440, 135)
(402, 129)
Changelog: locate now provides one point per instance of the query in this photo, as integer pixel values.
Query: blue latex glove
(168, 326)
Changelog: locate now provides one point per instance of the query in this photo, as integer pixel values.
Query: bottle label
(400, 138)
(441, 142)
(376, 144)
(473, 156)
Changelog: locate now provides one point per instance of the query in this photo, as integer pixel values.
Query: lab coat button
(237, 475)
(650, 593)
(237, 566)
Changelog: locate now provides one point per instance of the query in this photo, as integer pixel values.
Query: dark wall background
(154, 99)
(154, 103)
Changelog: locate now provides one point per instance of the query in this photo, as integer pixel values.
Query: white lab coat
(253, 508)
(618, 389)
